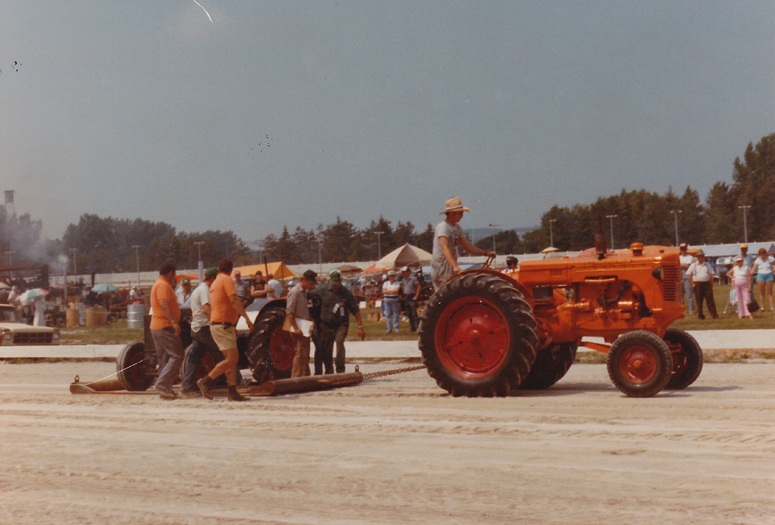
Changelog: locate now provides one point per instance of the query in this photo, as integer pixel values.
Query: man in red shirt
(225, 310)
(165, 330)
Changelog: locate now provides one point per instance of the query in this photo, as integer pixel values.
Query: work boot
(204, 386)
(234, 395)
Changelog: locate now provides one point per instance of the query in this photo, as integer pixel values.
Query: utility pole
(379, 245)
(75, 264)
(745, 221)
(611, 218)
(200, 266)
(493, 235)
(551, 232)
(137, 256)
(675, 214)
(320, 255)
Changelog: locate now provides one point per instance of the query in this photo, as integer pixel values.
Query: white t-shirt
(453, 233)
(390, 289)
(763, 267)
(685, 260)
(199, 297)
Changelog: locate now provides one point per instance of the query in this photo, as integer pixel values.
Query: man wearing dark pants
(336, 305)
(700, 273)
(202, 340)
(411, 287)
(165, 330)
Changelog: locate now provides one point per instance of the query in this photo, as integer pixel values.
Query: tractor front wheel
(687, 358)
(477, 336)
(639, 364)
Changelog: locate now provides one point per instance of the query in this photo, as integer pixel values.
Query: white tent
(406, 255)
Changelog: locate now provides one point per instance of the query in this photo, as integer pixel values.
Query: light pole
(611, 218)
(75, 263)
(137, 255)
(379, 245)
(320, 254)
(551, 232)
(10, 261)
(675, 214)
(745, 221)
(493, 235)
(201, 266)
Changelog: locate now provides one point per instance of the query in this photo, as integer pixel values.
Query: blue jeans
(392, 309)
(688, 290)
(410, 306)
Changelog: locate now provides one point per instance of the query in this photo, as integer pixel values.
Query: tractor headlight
(7, 338)
(659, 273)
(55, 337)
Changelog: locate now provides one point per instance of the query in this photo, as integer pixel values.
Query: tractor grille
(33, 338)
(671, 285)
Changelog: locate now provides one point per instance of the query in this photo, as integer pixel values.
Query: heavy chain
(374, 375)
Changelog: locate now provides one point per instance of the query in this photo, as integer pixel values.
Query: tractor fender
(526, 293)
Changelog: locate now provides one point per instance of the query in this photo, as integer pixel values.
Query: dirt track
(392, 450)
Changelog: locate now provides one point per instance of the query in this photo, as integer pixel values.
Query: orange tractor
(485, 333)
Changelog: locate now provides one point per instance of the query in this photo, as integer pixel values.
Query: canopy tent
(550, 249)
(278, 270)
(406, 255)
(349, 268)
(372, 269)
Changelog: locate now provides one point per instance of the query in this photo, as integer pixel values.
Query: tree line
(99, 245)
(650, 218)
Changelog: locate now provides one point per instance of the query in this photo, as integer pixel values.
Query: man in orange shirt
(225, 310)
(165, 330)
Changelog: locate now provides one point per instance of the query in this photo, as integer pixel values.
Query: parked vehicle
(13, 332)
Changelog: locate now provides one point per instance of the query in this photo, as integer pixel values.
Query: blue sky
(294, 113)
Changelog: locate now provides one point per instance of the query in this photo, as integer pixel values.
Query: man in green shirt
(336, 305)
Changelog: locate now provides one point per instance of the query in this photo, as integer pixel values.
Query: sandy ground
(391, 450)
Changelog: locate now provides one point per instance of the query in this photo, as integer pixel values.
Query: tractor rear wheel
(687, 360)
(550, 366)
(477, 336)
(639, 364)
(133, 370)
(270, 348)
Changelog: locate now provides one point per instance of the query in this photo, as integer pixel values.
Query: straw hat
(454, 204)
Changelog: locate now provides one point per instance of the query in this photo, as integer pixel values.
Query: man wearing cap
(184, 294)
(242, 287)
(700, 273)
(296, 308)
(165, 330)
(225, 310)
(447, 242)
(411, 288)
(686, 285)
(336, 305)
(202, 339)
(747, 257)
